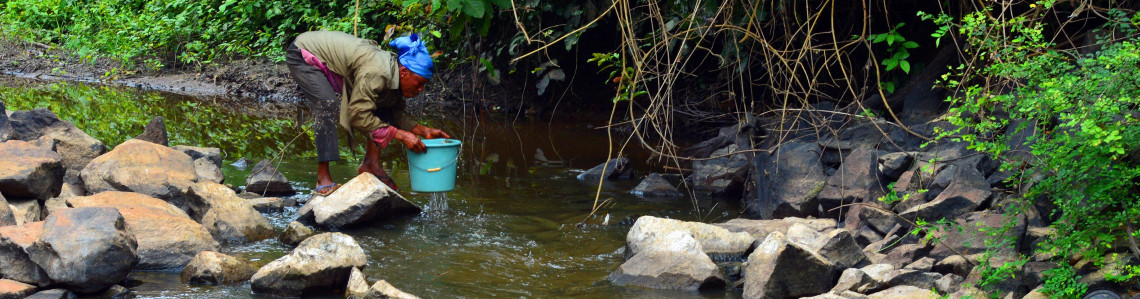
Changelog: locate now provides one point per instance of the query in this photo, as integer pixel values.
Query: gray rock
(894, 164)
(15, 264)
(264, 179)
(321, 262)
(52, 294)
(241, 163)
(383, 290)
(924, 280)
(954, 264)
(674, 261)
(155, 132)
(74, 146)
(210, 154)
(786, 183)
(167, 238)
(904, 292)
(54, 204)
(357, 285)
(759, 229)
(362, 200)
(840, 248)
(857, 180)
(15, 289)
(268, 204)
(85, 249)
(717, 242)
(972, 240)
(212, 268)
(6, 131)
(6, 216)
(143, 167)
(905, 254)
(294, 233)
(948, 284)
(966, 192)
(26, 210)
(872, 218)
(782, 269)
(854, 279)
(228, 217)
(725, 175)
(30, 171)
(207, 172)
(614, 169)
(923, 264)
(655, 186)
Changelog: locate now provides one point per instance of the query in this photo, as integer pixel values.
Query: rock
(6, 216)
(26, 210)
(954, 264)
(725, 174)
(212, 268)
(228, 217)
(905, 254)
(967, 191)
(6, 131)
(924, 280)
(782, 269)
(74, 146)
(167, 238)
(923, 264)
(362, 200)
(15, 289)
(54, 204)
(673, 261)
(321, 262)
(29, 171)
(52, 294)
(207, 162)
(294, 233)
(382, 290)
(894, 164)
(85, 249)
(655, 186)
(155, 132)
(14, 261)
(267, 204)
(948, 284)
(143, 167)
(786, 183)
(840, 248)
(115, 291)
(759, 229)
(974, 234)
(857, 180)
(717, 242)
(357, 285)
(207, 172)
(241, 163)
(877, 221)
(904, 292)
(264, 179)
(614, 169)
(854, 279)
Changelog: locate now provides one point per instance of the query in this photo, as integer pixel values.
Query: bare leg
(371, 164)
(323, 176)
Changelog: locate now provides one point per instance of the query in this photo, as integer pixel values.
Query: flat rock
(759, 229)
(29, 171)
(15, 289)
(139, 166)
(15, 264)
(782, 269)
(904, 292)
(228, 217)
(85, 249)
(167, 238)
(655, 186)
(212, 268)
(268, 204)
(319, 263)
(52, 294)
(674, 261)
(717, 242)
(362, 200)
(264, 179)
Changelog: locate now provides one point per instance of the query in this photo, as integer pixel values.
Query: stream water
(514, 226)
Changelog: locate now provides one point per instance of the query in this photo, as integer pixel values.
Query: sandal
(388, 181)
(329, 189)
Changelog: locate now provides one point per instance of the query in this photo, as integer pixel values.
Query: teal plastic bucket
(434, 170)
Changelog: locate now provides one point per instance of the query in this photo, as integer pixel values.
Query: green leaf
(905, 66)
(436, 34)
(890, 63)
(910, 45)
(474, 8)
(878, 38)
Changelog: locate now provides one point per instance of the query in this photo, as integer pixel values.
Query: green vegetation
(114, 115)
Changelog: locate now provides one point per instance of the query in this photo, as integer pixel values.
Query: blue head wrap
(413, 54)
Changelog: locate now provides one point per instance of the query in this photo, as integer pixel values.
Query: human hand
(429, 133)
(411, 141)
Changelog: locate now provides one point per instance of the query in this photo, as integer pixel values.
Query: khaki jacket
(371, 79)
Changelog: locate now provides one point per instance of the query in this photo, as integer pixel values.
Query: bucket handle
(459, 151)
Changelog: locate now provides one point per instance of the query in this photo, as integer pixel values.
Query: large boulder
(613, 169)
(785, 184)
(858, 179)
(207, 162)
(967, 190)
(724, 173)
(14, 261)
(6, 216)
(264, 179)
(759, 229)
(319, 263)
(167, 237)
(29, 171)
(674, 261)
(782, 269)
(212, 268)
(76, 147)
(86, 249)
(143, 167)
(227, 216)
(15, 289)
(155, 132)
(717, 242)
(359, 201)
(655, 186)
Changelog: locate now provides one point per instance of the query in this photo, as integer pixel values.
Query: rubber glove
(410, 141)
(429, 133)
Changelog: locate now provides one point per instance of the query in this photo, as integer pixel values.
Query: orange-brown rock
(167, 237)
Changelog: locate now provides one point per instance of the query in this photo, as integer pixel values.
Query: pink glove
(384, 135)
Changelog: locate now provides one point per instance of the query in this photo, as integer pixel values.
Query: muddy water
(514, 226)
